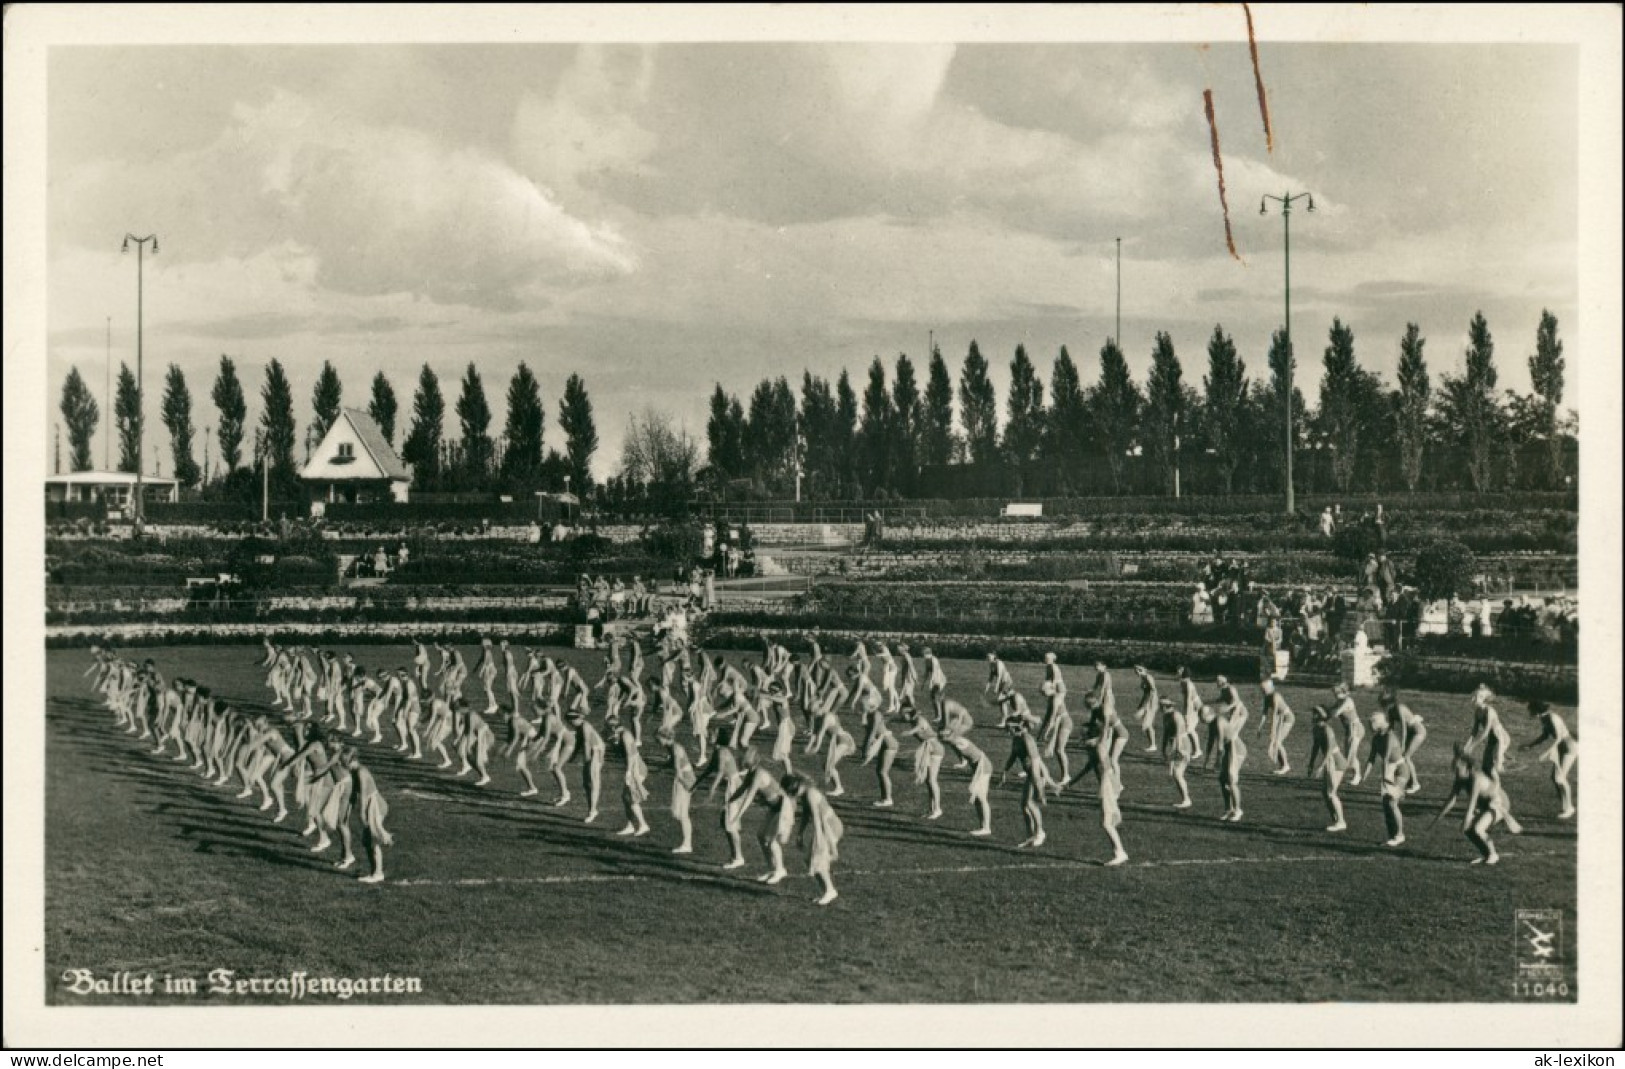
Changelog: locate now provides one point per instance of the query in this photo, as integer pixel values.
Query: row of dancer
(221, 744)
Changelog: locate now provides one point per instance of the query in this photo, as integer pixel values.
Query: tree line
(1224, 435)
(469, 460)
(900, 437)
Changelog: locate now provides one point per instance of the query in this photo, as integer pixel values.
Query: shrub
(1444, 568)
(671, 541)
(1354, 541)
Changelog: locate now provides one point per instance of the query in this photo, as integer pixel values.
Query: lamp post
(140, 383)
(1117, 337)
(1286, 201)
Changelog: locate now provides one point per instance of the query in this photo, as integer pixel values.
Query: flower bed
(1057, 600)
(322, 610)
(168, 634)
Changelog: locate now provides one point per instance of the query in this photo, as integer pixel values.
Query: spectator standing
(1455, 615)
(1387, 581)
(1201, 607)
(1370, 571)
(1328, 526)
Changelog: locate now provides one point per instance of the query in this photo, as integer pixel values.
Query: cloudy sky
(661, 217)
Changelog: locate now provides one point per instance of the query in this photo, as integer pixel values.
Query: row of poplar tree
(1367, 434)
(472, 460)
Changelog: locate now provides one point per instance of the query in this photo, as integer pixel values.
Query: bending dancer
(474, 743)
(357, 794)
(590, 744)
(1487, 805)
(827, 830)
(882, 744)
(1353, 729)
(438, 732)
(725, 771)
(761, 784)
(981, 779)
(635, 787)
(928, 762)
(1563, 751)
(1412, 730)
(956, 722)
(523, 737)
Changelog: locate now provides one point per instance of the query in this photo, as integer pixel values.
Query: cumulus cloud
(379, 209)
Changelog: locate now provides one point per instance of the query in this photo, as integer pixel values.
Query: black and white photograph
(801, 508)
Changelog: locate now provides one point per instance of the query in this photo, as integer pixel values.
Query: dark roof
(374, 442)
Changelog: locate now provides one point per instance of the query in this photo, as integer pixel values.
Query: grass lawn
(496, 899)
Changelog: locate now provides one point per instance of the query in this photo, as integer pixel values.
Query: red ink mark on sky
(1218, 165)
(1258, 77)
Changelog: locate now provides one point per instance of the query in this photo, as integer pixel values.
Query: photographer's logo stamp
(1539, 942)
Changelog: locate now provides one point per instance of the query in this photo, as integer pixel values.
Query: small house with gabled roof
(355, 464)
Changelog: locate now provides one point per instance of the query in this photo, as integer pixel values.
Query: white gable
(342, 456)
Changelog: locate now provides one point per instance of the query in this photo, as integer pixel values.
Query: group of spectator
(379, 563)
(614, 599)
(1332, 521)
(1554, 620)
(1303, 622)
(733, 552)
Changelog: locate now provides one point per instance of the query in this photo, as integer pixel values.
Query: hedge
(1198, 505)
(431, 512)
(1167, 629)
(1229, 541)
(1204, 659)
(1550, 682)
